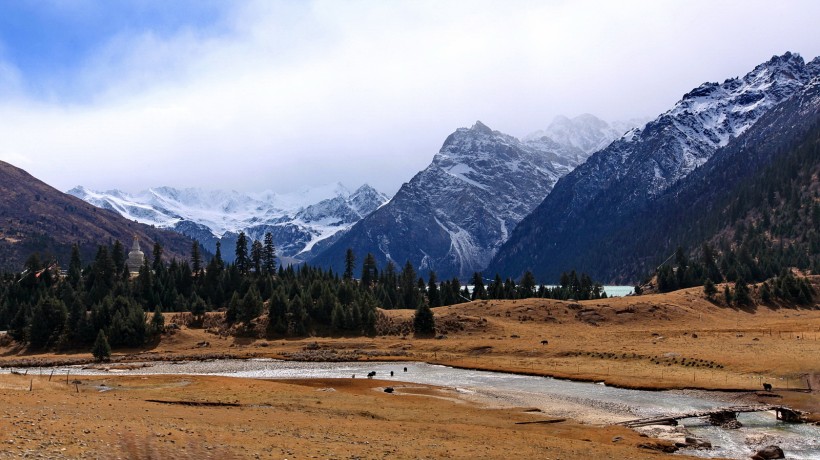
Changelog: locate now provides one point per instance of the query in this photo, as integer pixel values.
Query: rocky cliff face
(452, 216)
(621, 180)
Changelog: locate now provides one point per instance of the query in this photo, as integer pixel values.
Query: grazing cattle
(388, 390)
(545, 342)
(767, 387)
(371, 374)
(405, 369)
(391, 373)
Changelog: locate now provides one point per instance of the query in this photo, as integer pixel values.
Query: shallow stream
(587, 402)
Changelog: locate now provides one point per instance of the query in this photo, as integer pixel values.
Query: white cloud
(310, 93)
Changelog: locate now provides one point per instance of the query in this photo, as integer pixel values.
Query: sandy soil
(677, 340)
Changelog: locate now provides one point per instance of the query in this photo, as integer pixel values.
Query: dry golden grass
(336, 418)
(672, 340)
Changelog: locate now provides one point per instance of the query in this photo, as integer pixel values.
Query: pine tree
(198, 307)
(47, 320)
(269, 255)
(407, 287)
(527, 287)
(157, 321)
(75, 268)
(157, 265)
(219, 264)
(765, 293)
(350, 264)
(101, 349)
(233, 308)
(369, 271)
(742, 296)
(433, 297)
(196, 259)
(424, 323)
(118, 257)
(242, 261)
(256, 256)
(478, 287)
(251, 306)
(709, 289)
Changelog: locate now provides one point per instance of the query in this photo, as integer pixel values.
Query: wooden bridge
(717, 416)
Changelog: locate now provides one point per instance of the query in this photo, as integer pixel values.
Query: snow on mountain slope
(586, 133)
(621, 179)
(453, 215)
(297, 220)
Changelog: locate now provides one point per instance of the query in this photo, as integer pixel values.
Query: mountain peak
(481, 127)
(623, 179)
(788, 56)
(585, 134)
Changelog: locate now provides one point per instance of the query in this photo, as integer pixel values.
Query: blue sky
(276, 95)
(50, 42)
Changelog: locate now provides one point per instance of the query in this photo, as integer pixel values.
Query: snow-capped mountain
(452, 216)
(620, 180)
(586, 133)
(297, 220)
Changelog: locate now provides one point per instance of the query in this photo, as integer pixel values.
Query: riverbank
(132, 417)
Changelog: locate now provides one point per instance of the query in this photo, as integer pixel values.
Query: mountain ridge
(298, 221)
(621, 179)
(37, 218)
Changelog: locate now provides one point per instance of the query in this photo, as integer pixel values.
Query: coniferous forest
(46, 307)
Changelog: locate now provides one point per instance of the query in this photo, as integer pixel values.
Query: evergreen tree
(157, 265)
(101, 349)
(219, 264)
(157, 321)
(277, 311)
(496, 288)
(75, 268)
(369, 271)
(242, 261)
(196, 259)
(709, 289)
(350, 264)
(424, 323)
(527, 287)
(251, 306)
(257, 253)
(233, 308)
(269, 255)
(118, 257)
(47, 320)
(765, 293)
(433, 297)
(337, 317)
(145, 285)
(478, 287)
(102, 277)
(408, 289)
(742, 296)
(727, 294)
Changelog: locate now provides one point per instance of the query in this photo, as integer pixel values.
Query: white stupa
(136, 257)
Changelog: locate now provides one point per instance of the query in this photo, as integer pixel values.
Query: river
(586, 402)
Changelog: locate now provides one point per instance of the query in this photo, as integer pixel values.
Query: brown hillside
(37, 218)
